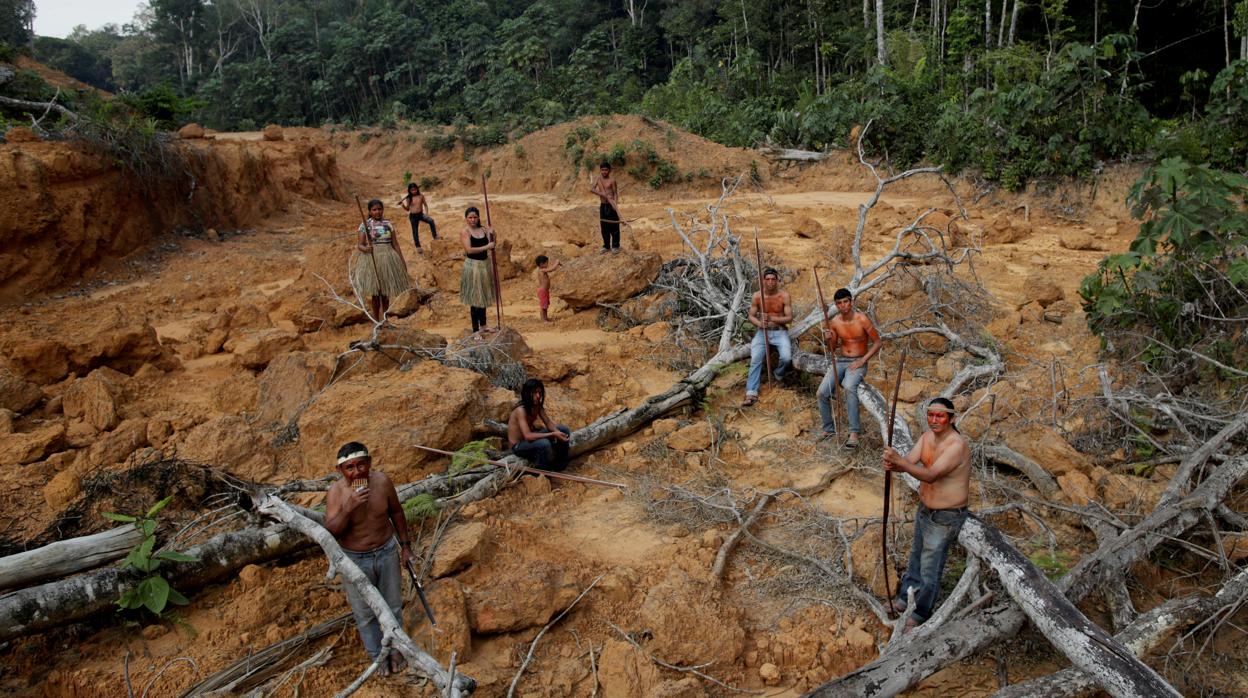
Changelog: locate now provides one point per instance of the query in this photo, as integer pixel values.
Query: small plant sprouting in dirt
(153, 592)
(407, 177)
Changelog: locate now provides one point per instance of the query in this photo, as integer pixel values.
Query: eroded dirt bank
(232, 352)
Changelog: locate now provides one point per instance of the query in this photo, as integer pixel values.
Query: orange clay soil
(160, 343)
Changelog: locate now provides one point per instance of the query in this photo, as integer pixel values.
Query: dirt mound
(56, 78)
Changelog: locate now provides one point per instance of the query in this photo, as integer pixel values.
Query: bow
(888, 474)
(762, 305)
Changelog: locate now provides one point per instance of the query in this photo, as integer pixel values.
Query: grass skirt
(476, 284)
(389, 277)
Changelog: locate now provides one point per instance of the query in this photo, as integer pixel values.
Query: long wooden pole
(498, 287)
(527, 469)
(888, 475)
(762, 305)
(836, 387)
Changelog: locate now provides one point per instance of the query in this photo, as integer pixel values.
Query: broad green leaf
(176, 597)
(148, 527)
(158, 506)
(154, 591)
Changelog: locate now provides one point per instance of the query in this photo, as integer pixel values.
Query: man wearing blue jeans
(363, 513)
(858, 341)
(771, 310)
(547, 449)
(941, 462)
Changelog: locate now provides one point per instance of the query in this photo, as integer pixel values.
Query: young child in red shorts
(542, 275)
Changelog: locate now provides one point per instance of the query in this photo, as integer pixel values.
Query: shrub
(439, 142)
(153, 592)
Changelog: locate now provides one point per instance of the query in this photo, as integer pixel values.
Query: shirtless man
(417, 207)
(771, 309)
(363, 513)
(608, 193)
(858, 340)
(547, 449)
(941, 462)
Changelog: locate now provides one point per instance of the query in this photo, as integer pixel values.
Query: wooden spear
(888, 476)
(836, 388)
(527, 469)
(498, 287)
(762, 305)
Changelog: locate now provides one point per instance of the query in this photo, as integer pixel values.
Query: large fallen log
(1142, 636)
(65, 557)
(791, 154)
(960, 638)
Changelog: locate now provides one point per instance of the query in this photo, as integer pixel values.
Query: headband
(353, 456)
(937, 407)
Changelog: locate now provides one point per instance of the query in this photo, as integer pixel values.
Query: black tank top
(476, 242)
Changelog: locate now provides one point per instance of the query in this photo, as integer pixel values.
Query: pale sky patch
(59, 17)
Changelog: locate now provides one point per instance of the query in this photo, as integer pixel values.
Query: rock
(527, 600)
(289, 382)
(695, 437)
(1002, 231)
(17, 394)
(807, 227)
(6, 421)
(663, 427)
(624, 672)
(94, 399)
(1031, 313)
(689, 626)
(657, 331)
(1005, 325)
(1077, 487)
(21, 134)
(430, 404)
(449, 605)
(158, 432)
(608, 278)
(1079, 240)
(346, 315)
(948, 365)
(712, 538)
(1125, 492)
(230, 443)
(409, 302)
(462, 546)
(257, 348)
(688, 687)
(41, 361)
(236, 394)
(115, 446)
(867, 569)
(913, 390)
(535, 486)
(499, 353)
(191, 131)
(769, 673)
(211, 235)
(273, 132)
(1041, 289)
(314, 314)
(120, 344)
(31, 446)
(1046, 447)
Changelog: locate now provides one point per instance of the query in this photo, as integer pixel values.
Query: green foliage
(407, 178)
(1053, 565)
(664, 173)
(153, 591)
(429, 182)
(469, 456)
(162, 104)
(1186, 267)
(422, 506)
(439, 142)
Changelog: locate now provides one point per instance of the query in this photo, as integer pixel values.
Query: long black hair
(528, 391)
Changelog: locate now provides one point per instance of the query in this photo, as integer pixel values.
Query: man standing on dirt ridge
(859, 341)
(771, 310)
(605, 188)
(941, 462)
(363, 513)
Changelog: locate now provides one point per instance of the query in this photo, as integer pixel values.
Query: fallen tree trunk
(792, 154)
(453, 686)
(66, 557)
(1083, 642)
(1142, 636)
(1038, 476)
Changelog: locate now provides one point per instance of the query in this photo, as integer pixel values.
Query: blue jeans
(381, 566)
(839, 373)
(933, 532)
(546, 454)
(777, 338)
(415, 219)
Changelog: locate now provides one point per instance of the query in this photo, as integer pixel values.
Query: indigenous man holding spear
(858, 340)
(941, 462)
(771, 310)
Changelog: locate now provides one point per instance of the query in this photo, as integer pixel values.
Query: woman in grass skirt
(476, 282)
(380, 270)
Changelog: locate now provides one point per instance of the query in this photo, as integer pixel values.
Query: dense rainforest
(1015, 89)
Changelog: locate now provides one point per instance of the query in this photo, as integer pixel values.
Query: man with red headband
(363, 513)
(941, 462)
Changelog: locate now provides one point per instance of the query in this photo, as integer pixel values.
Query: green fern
(422, 506)
(468, 456)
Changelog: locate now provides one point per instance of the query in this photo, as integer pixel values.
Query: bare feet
(397, 663)
(749, 401)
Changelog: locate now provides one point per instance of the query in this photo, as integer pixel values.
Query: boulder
(1041, 288)
(624, 672)
(391, 412)
(525, 600)
(6, 421)
(94, 399)
(461, 547)
(31, 446)
(497, 354)
(1079, 240)
(121, 344)
(948, 365)
(16, 393)
(191, 131)
(1077, 487)
(607, 278)
(663, 427)
(41, 361)
(695, 437)
(1129, 493)
(236, 394)
(255, 349)
(314, 314)
(1002, 231)
(689, 625)
(229, 443)
(656, 331)
(913, 390)
(410, 302)
(289, 382)
(807, 227)
(273, 132)
(1046, 447)
(115, 446)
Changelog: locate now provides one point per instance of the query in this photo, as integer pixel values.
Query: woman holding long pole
(476, 281)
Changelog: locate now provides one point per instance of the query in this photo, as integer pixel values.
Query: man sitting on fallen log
(941, 462)
(363, 513)
(547, 449)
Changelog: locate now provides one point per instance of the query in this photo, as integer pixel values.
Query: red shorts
(543, 298)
